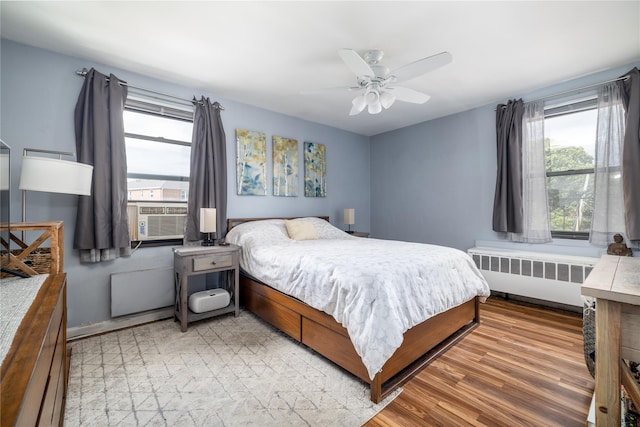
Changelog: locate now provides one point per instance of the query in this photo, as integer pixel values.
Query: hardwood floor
(523, 366)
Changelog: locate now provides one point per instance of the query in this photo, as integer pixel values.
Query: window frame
(158, 110)
(566, 108)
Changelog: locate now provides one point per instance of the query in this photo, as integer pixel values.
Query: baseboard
(123, 322)
(536, 301)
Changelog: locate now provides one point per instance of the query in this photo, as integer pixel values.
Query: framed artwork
(285, 167)
(315, 170)
(251, 163)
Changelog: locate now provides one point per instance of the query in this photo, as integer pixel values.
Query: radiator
(543, 276)
(142, 290)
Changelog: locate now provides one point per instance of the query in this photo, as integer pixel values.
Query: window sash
(567, 108)
(157, 139)
(570, 172)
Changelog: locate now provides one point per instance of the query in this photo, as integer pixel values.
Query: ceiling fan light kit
(387, 99)
(378, 83)
(359, 102)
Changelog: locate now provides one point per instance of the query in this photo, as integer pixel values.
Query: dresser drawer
(212, 262)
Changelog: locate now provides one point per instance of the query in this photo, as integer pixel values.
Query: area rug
(224, 371)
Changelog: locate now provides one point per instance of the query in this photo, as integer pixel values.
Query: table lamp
(208, 225)
(350, 218)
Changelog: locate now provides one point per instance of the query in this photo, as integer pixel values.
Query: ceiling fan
(377, 83)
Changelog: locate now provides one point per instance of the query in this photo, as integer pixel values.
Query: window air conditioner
(156, 221)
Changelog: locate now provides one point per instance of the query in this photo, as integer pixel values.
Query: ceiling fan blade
(356, 64)
(329, 90)
(409, 95)
(421, 66)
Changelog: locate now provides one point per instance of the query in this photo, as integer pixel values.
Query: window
(158, 155)
(570, 138)
(158, 146)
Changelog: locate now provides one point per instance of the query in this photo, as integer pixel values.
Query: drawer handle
(213, 263)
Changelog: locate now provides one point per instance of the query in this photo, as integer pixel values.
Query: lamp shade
(55, 176)
(359, 102)
(387, 99)
(207, 220)
(350, 216)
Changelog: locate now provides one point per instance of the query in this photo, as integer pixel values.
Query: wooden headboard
(232, 222)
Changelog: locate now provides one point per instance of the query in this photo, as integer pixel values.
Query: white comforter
(377, 289)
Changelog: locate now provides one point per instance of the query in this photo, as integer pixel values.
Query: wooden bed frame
(320, 331)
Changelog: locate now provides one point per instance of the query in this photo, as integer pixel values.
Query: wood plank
(506, 372)
(629, 332)
(600, 279)
(607, 362)
(282, 318)
(333, 346)
(616, 278)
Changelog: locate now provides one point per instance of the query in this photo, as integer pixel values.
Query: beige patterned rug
(224, 371)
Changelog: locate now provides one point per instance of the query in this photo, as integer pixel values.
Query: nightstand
(360, 234)
(193, 260)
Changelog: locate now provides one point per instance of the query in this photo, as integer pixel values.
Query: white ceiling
(265, 53)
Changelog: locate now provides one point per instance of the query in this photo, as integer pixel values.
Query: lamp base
(208, 240)
(350, 231)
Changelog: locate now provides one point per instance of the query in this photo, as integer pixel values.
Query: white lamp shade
(359, 102)
(350, 216)
(387, 99)
(55, 176)
(375, 107)
(207, 220)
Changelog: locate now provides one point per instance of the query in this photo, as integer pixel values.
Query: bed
(380, 309)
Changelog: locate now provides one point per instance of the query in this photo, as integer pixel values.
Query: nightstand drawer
(212, 262)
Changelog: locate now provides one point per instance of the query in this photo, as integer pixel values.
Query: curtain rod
(84, 72)
(576, 90)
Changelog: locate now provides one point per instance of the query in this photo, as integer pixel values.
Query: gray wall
(38, 92)
(429, 180)
(434, 182)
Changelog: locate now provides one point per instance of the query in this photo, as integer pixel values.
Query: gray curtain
(630, 89)
(208, 175)
(102, 226)
(507, 203)
(536, 227)
(608, 207)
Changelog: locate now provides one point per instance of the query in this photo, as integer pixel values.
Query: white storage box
(212, 299)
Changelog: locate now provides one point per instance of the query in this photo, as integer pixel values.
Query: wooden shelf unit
(615, 283)
(52, 232)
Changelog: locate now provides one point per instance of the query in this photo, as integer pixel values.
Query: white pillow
(265, 231)
(325, 230)
(301, 230)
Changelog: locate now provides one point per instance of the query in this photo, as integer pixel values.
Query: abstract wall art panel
(251, 163)
(285, 167)
(315, 170)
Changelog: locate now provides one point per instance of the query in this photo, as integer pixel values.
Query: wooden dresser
(34, 372)
(615, 283)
